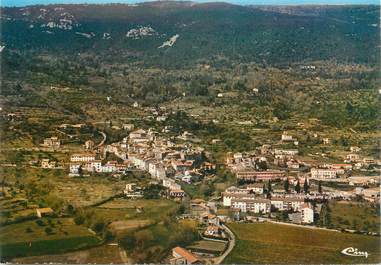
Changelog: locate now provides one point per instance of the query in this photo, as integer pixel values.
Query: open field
(124, 215)
(277, 243)
(119, 228)
(97, 255)
(357, 216)
(149, 209)
(208, 246)
(30, 238)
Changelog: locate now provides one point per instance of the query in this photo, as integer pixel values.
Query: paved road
(123, 256)
(104, 139)
(231, 245)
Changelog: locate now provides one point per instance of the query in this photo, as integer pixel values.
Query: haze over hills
(180, 33)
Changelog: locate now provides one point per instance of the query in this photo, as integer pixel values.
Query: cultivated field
(139, 208)
(208, 246)
(42, 236)
(277, 243)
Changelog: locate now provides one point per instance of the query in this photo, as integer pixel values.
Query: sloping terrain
(272, 35)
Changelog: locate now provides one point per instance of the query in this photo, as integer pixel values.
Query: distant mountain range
(180, 33)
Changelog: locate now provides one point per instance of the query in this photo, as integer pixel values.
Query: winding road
(231, 245)
(104, 138)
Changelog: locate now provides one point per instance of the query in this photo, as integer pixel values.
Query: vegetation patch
(277, 243)
(206, 246)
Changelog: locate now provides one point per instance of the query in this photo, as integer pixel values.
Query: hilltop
(270, 35)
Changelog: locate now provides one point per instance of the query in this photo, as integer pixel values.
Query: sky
(242, 2)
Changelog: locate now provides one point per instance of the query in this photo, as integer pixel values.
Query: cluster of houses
(92, 162)
(144, 150)
(358, 162)
(252, 172)
(252, 166)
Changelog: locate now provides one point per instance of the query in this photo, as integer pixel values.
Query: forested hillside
(271, 35)
(269, 61)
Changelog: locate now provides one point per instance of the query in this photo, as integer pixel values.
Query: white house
(74, 168)
(82, 157)
(187, 179)
(235, 193)
(257, 188)
(128, 126)
(212, 230)
(96, 166)
(290, 152)
(46, 163)
(355, 149)
(323, 173)
(287, 203)
(353, 157)
(89, 144)
(307, 214)
(255, 205)
(286, 137)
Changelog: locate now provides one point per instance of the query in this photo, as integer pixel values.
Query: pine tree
(305, 186)
(297, 187)
(269, 189)
(80, 171)
(320, 190)
(286, 185)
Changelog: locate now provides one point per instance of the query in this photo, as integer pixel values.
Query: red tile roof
(186, 254)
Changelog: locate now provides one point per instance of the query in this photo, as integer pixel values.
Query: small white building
(43, 212)
(307, 214)
(355, 149)
(46, 163)
(74, 168)
(286, 137)
(128, 126)
(89, 144)
(52, 142)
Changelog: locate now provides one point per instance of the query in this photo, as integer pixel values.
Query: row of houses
(263, 206)
(253, 175)
(250, 200)
(88, 162)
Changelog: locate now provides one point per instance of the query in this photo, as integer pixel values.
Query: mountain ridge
(271, 35)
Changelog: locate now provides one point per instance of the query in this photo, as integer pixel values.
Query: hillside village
(190, 133)
(273, 184)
